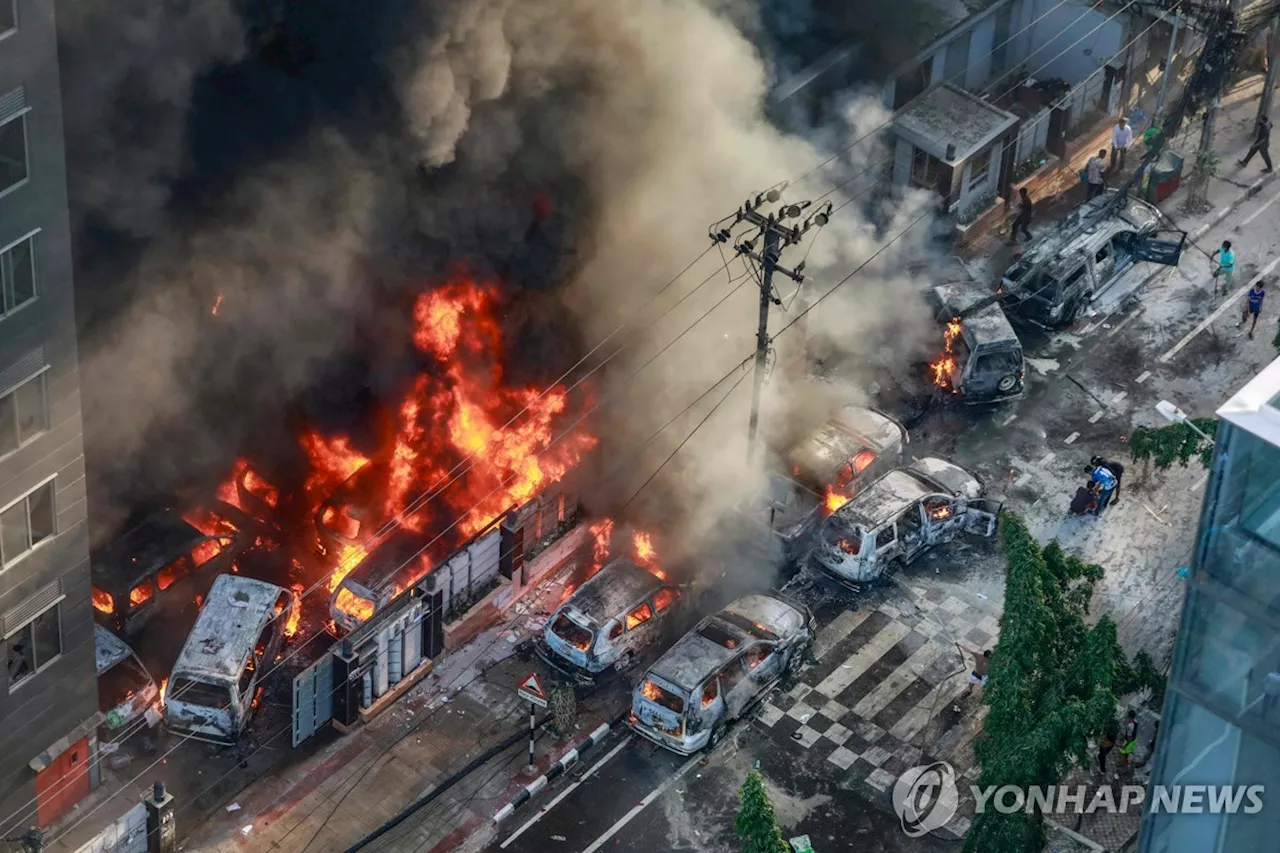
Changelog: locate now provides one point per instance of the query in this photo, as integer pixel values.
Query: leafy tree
(756, 823)
(1053, 686)
(1174, 443)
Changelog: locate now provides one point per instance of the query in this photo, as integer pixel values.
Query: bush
(756, 823)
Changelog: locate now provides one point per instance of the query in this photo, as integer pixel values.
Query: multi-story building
(48, 692)
(1221, 719)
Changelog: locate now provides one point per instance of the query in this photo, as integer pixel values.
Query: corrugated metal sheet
(15, 618)
(13, 103)
(22, 370)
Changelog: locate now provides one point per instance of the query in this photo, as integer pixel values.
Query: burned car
(125, 689)
(164, 563)
(719, 671)
(983, 360)
(1053, 282)
(609, 620)
(850, 450)
(899, 517)
(231, 649)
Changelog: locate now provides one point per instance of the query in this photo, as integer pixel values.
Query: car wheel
(1007, 383)
(717, 735)
(625, 661)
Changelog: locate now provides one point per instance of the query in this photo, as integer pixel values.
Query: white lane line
(1232, 303)
(566, 792)
(1097, 416)
(1259, 211)
(899, 680)
(642, 805)
(862, 660)
(1125, 322)
(1009, 420)
(1071, 438)
(1086, 330)
(1046, 459)
(1023, 480)
(1143, 377)
(1117, 398)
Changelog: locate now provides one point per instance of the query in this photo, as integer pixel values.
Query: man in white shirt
(1121, 139)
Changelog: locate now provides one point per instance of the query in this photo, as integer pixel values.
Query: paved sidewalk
(350, 787)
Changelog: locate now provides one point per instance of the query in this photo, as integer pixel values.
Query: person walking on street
(1096, 174)
(1261, 144)
(1105, 744)
(1254, 306)
(1121, 139)
(977, 678)
(1226, 267)
(1128, 740)
(1023, 219)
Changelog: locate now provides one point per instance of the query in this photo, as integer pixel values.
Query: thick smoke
(575, 149)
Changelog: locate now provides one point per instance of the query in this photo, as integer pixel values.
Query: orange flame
(102, 601)
(217, 305)
(206, 551)
(943, 366)
(295, 613)
(140, 594)
(353, 605)
(333, 460)
(164, 684)
(601, 539)
(646, 556)
(208, 523)
(834, 500)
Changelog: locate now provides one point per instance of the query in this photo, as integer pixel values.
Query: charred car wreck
(900, 517)
(719, 671)
(610, 620)
(983, 359)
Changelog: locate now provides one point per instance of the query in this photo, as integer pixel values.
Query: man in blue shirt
(1254, 305)
(1107, 475)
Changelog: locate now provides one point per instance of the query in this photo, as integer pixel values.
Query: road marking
(1125, 322)
(918, 717)
(861, 660)
(1086, 330)
(1023, 480)
(567, 791)
(840, 627)
(1071, 438)
(1097, 416)
(1232, 303)
(1143, 377)
(1046, 459)
(1259, 211)
(1117, 398)
(1009, 420)
(898, 680)
(642, 805)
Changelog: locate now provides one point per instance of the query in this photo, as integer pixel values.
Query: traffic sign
(531, 690)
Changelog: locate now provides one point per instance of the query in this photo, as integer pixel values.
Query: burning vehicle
(845, 454)
(718, 671)
(899, 517)
(610, 619)
(1053, 283)
(217, 682)
(125, 689)
(982, 360)
(165, 564)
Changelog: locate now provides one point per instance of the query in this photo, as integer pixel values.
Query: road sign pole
(532, 725)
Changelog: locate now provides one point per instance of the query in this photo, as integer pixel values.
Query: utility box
(801, 844)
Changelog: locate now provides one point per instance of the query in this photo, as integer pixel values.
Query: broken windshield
(718, 635)
(847, 539)
(660, 695)
(572, 633)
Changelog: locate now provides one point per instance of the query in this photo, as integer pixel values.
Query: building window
(926, 170)
(33, 646)
(24, 414)
(979, 168)
(13, 152)
(27, 523)
(17, 274)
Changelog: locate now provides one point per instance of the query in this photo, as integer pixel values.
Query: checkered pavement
(882, 696)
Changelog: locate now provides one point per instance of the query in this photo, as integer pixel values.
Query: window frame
(975, 178)
(20, 115)
(38, 376)
(930, 177)
(13, 5)
(5, 562)
(30, 237)
(28, 628)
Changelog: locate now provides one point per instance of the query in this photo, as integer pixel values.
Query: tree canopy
(1174, 443)
(756, 823)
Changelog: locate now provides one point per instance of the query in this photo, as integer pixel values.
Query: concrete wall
(126, 834)
(37, 713)
(1084, 37)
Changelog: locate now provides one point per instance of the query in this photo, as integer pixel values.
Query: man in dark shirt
(1023, 219)
(1261, 144)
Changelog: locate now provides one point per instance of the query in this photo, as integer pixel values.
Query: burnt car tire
(1007, 383)
(625, 661)
(717, 735)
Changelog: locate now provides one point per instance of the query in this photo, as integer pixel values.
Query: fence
(126, 834)
(397, 643)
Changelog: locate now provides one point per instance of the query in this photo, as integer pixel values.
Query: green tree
(1053, 686)
(1174, 443)
(756, 823)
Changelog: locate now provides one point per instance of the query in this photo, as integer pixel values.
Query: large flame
(601, 540)
(645, 554)
(943, 367)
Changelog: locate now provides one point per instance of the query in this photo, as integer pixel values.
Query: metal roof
(1255, 408)
(946, 115)
(227, 628)
(141, 551)
(108, 649)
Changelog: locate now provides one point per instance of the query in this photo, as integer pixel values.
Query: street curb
(1254, 189)
(566, 761)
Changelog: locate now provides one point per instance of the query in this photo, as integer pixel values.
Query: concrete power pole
(775, 236)
(1198, 191)
(1273, 60)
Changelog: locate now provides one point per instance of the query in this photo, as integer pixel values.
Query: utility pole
(1273, 60)
(1203, 171)
(775, 236)
(1157, 118)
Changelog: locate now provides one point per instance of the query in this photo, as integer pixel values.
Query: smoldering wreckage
(276, 553)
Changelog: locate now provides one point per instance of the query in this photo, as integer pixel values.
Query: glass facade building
(1221, 718)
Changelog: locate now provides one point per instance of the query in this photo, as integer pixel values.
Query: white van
(231, 648)
(125, 689)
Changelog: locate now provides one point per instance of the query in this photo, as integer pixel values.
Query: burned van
(983, 360)
(233, 646)
(851, 449)
(164, 563)
(899, 517)
(125, 689)
(609, 620)
(718, 671)
(1066, 268)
